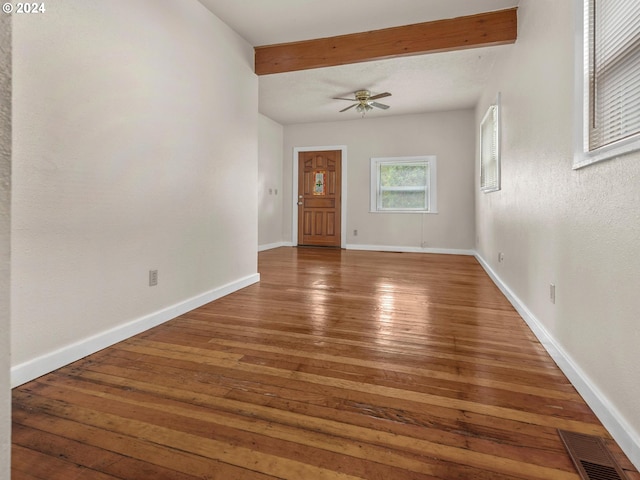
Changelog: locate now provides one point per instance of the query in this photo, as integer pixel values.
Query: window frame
(431, 188)
(491, 119)
(583, 156)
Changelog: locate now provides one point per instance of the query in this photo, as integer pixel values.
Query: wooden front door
(319, 197)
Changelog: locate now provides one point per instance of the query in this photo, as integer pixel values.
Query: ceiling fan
(364, 101)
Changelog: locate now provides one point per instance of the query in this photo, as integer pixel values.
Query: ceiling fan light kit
(364, 101)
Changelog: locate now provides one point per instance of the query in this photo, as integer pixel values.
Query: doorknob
(300, 203)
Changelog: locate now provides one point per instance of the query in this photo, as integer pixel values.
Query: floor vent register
(591, 457)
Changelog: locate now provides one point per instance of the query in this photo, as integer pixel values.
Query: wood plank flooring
(337, 365)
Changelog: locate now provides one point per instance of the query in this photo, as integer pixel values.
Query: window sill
(583, 159)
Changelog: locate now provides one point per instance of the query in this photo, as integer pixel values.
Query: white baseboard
(613, 421)
(271, 246)
(382, 248)
(49, 362)
(391, 248)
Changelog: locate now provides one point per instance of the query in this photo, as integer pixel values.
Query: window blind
(614, 70)
(489, 162)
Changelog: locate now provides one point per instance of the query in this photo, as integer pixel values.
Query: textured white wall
(135, 147)
(5, 224)
(577, 229)
(448, 135)
(269, 181)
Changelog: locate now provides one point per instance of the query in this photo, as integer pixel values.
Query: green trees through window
(404, 184)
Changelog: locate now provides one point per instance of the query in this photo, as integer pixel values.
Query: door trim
(343, 199)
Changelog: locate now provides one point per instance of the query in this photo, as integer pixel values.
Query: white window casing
(490, 149)
(607, 80)
(404, 185)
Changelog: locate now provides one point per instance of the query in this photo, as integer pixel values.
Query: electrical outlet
(424, 244)
(355, 233)
(552, 293)
(153, 278)
(500, 257)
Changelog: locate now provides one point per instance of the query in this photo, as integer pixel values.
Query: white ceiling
(423, 83)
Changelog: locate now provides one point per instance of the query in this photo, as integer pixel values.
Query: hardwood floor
(337, 365)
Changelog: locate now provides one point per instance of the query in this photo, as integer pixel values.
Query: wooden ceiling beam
(482, 30)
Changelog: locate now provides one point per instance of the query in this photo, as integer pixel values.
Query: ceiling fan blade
(349, 107)
(380, 95)
(379, 105)
(347, 99)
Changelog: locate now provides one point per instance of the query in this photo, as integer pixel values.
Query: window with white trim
(490, 149)
(404, 184)
(610, 73)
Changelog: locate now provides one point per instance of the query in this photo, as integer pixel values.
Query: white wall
(269, 182)
(5, 223)
(577, 229)
(135, 133)
(448, 135)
